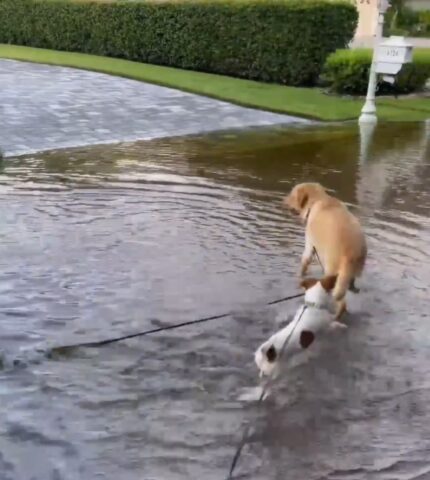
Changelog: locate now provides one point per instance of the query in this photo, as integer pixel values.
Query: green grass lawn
(304, 102)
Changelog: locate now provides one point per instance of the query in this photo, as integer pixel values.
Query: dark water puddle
(99, 242)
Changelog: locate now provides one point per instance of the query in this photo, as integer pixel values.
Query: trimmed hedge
(282, 41)
(347, 72)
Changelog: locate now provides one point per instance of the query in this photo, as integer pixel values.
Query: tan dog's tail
(347, 273)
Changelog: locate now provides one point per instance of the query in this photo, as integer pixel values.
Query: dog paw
(352, 288)
(266, 394)
(253, 394)
(338, 326)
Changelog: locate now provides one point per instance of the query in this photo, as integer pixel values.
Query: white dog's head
(317, 295)
(318, 291)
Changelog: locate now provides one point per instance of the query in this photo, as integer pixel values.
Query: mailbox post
(368, 112)
(388, 59)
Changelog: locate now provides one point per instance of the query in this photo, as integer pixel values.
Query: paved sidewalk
(46, 107)
(367, 42)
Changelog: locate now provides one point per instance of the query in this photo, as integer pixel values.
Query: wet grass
(303, 102)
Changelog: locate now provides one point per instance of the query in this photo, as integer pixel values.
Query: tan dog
(334, 232)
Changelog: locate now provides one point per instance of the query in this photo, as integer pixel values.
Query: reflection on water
(103, 241)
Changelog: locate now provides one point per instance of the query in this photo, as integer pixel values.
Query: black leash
(101, 343)
(247, 430)
(245, 435)
(318, 258)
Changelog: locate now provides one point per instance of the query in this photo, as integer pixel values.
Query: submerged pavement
(46, 107)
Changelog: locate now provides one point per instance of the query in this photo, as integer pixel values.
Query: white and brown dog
(314, 317)
(334, 232)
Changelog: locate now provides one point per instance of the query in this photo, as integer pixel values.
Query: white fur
(317, 317)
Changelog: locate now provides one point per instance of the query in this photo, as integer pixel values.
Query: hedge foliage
(347, 72)
(406, 22)
(282, 41)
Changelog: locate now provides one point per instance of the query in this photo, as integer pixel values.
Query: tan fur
(307, 283)
(327, 283)
(334, 232)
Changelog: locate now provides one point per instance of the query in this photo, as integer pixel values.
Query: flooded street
(105, 241)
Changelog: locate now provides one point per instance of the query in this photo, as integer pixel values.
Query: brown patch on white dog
(329, 282)
(306, 338)
(307, 283)
(271, 354)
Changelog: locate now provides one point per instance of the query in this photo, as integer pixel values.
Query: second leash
(245, 435)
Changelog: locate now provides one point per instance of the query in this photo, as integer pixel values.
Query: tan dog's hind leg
(352, 287)
(307, 256)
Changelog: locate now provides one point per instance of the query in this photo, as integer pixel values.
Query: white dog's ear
(306, 338)
(329, 282)
(271, 354)
(308, 283)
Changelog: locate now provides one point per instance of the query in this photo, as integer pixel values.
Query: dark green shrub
(283, 41)
(406, 22)
(424, 23)
(407, 18)
(347, 72)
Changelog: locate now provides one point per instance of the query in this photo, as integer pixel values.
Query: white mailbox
(393, 53)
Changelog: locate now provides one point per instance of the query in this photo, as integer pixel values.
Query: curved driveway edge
(47, 107)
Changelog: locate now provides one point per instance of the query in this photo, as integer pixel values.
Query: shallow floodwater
(100, 242)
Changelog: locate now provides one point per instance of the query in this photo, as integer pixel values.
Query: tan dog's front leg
(307, 256)
(340, 308)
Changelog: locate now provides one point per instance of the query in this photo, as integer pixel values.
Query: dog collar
(307, 214)
(317, 306)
